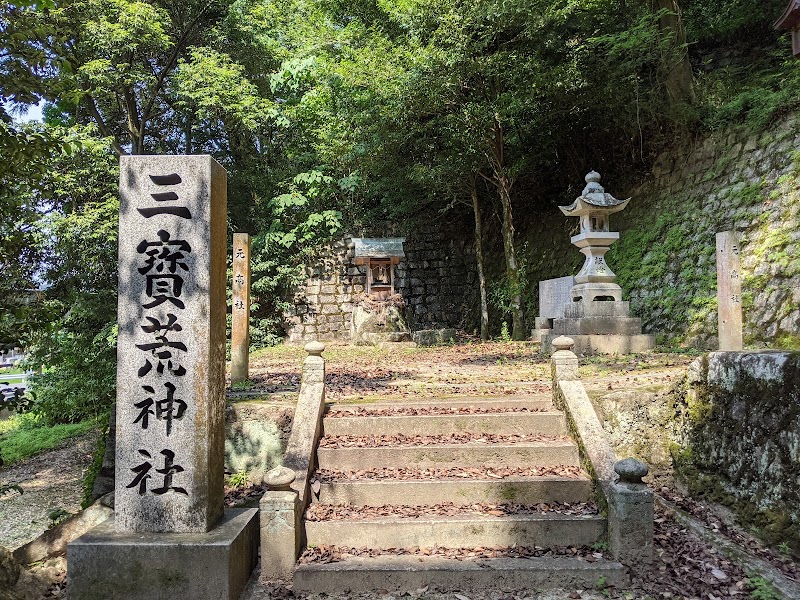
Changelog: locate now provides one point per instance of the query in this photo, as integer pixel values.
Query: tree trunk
(504, 182)
(476, 209)
(678, 67)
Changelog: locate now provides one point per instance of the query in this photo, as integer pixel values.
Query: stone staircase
(456, 494)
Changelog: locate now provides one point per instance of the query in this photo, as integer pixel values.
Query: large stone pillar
(240, 309)
(169, 535)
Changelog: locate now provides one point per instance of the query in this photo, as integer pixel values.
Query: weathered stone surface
(409, 573)
(606, 344)
(111, 564)
(745, 427)
(255, 436)
(630, 470)
(729, 291)
(170, 410)
(630, 522)
(280, 534)
(434, 337)
(240, 308)
(381, 324)
(53, 542)
(307, 424)
(554, 296)
(279, 478)
(9, 569)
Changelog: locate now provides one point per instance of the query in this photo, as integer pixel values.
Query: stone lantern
(790, 19)
(593, 207)
(597, 319)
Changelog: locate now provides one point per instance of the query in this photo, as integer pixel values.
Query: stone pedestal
(108, 564)
(375, 323)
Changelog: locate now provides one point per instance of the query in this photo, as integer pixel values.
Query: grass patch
(23, 436)
(11, 371)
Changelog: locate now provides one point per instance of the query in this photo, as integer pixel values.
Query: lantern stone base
(106, 564)
(605, 344)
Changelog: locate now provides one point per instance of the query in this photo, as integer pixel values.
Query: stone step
(533, 401)
(525, 454)
(408, 573)
(409, 492)
(547, 423)
(461, 531)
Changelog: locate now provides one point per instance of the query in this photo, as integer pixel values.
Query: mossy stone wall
(742, 444)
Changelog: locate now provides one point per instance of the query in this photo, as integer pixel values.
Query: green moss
(774, 525)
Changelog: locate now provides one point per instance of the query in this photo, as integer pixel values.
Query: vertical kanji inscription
(240, 308)
(729, 291)
(171, 347)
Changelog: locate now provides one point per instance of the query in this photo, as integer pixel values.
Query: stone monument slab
(171, 346)
(729, 291)
(240, 308)
(554, 296)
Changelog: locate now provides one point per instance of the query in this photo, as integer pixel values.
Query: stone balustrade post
(279, 512)
(630, 514)
(629, 500)
(282, 506)
(563, 362)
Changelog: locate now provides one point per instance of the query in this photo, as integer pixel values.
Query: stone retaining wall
(437, 279)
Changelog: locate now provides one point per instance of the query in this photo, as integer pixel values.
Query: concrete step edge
(535, 518)
(407, 573)
(548, 423)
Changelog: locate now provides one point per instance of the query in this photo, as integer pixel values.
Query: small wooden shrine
(380, 255)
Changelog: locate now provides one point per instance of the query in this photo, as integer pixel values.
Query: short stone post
(563, 362)
(280, 525)
(630, 513)
(240, 309)
(729, 291)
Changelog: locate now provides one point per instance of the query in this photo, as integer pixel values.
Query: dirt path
(50, 481)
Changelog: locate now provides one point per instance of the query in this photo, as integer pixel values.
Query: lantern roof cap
(593, 197)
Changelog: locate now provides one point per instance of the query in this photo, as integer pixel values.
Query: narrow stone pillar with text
(170, 535)
(240, 309)
(729, 291)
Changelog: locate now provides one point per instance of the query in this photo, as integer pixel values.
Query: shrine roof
(378, 247)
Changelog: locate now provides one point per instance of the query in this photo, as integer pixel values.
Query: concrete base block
(106, 564)
(434, 337)
(598, 326)
(578, 310)
(606, 344)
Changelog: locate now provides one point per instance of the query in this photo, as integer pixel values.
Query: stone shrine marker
(171, 348)
(729, 291)
(240, 309)
(170, 535)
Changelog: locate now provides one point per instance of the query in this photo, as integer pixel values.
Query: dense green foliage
(334, 116)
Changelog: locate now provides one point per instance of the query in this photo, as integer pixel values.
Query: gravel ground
(50, 481)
